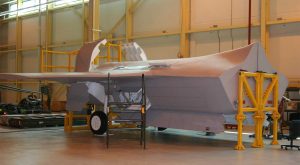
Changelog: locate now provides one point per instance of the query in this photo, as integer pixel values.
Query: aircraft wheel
(98, 122)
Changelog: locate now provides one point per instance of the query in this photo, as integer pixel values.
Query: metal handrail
(44, 54)
(11, 88)
(108, 55)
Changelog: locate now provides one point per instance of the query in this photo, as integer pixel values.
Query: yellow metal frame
(129, 6)
(45, 53)
(69, 118)
(108, 55)
(258, 101)
(95, 7)
(185, 6)
(68, 126)
(112, 125)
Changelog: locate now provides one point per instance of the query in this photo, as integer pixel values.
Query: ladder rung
(126, 111)
(127, 120)
(127, 129)
(123, 103)
(122, 107)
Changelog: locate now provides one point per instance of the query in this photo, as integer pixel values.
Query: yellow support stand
(275, 116)
(68, 127)
(259, 118)
(240, 117)
(259, 107)
(68, 122)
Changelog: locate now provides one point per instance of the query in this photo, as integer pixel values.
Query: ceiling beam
(185, 22)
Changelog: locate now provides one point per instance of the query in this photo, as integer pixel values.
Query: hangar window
(66, 3)
(13, 10)
(33, 6)
(26, 7)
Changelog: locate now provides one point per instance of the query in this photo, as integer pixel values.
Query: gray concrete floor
(53, 146)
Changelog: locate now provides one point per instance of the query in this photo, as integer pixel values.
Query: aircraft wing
(59, 77)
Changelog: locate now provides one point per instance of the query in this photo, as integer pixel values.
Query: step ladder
(121, 108)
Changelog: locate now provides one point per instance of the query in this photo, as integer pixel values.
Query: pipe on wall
(249, 23)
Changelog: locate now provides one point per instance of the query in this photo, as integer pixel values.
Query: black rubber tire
(103, 120)
(161, 128)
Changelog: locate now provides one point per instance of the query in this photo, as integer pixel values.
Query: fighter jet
(188, 93)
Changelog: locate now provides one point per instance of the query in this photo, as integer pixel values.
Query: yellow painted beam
(63, 53)
(95, 27)
(249, 109)
(263, 23)
(7, 51)
(28, 49)
(7, 45)
(275, 114)
(18, 55)
(40, 43)
(268, 91)
(18, 61)
(250, 93)
(264, 28)
(185, 27)
(96, 20)
(267, 48)
(218, 28)
(154, 35)
(65, 44)
(129, 20)
(250, 74)
(240, 117)
(283, 21)
(268, 75)
(259, 115)
(48, 39)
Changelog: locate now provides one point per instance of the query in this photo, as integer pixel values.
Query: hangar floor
(53, 146)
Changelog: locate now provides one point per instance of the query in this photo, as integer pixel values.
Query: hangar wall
(156, 27)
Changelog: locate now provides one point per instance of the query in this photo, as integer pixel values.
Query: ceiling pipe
(249, 23)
